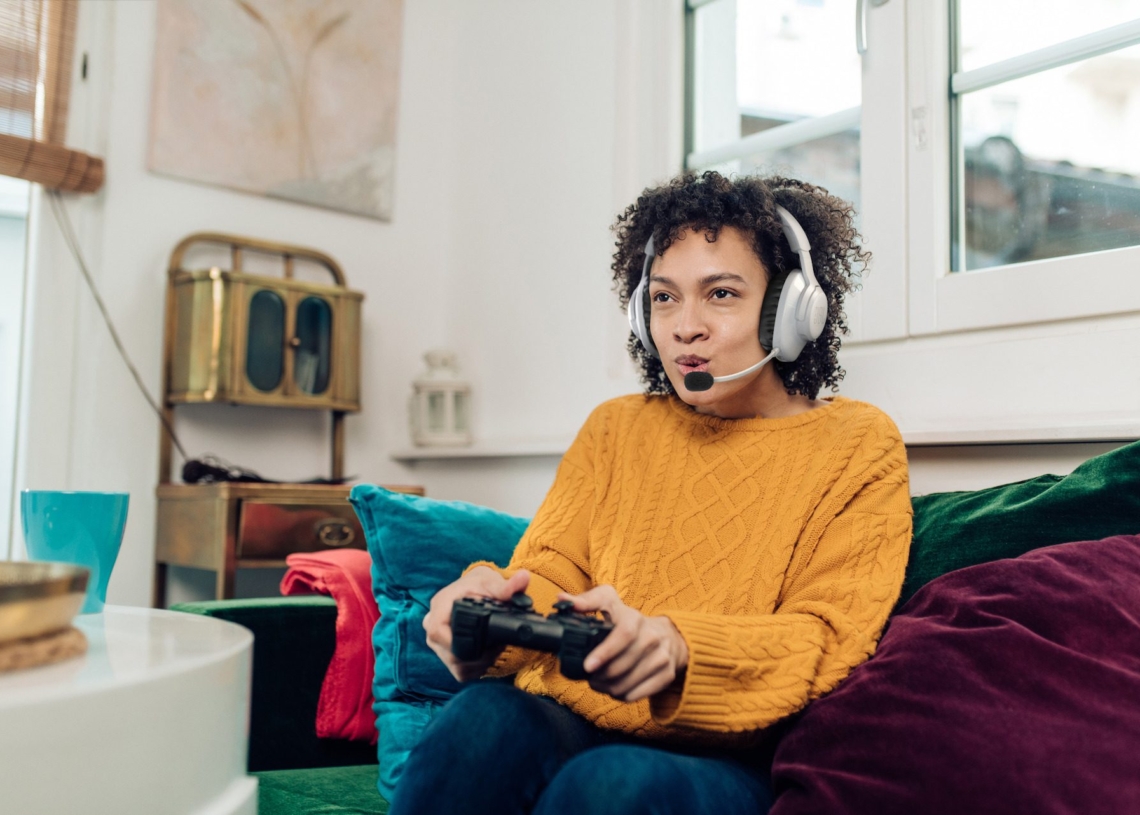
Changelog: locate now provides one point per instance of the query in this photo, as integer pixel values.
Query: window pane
(993, 30)
(831, 162)
(763, 63)
(13, 231)
(1049, 163)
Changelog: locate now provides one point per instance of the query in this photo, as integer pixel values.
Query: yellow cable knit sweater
(776, 546)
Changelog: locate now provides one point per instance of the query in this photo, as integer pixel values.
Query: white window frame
(879, 311)
(1064, 288)
(1007, 354)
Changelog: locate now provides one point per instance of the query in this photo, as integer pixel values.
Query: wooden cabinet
(251, 340)
(229, 526)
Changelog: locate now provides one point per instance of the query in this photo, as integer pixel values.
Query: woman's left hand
(641, 656)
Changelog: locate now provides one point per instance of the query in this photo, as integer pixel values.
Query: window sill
(1116, 431)
(516, 448)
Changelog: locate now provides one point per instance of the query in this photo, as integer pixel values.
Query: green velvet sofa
(294, 637)
(298, 774)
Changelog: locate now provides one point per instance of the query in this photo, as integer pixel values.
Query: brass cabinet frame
(204, 356)
(217, 369)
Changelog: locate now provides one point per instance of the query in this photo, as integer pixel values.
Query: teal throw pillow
(952, 530)
(418, 545)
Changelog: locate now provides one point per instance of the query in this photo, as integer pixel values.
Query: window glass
(13, 231)
(1049, 164)
(761, 63)
(993, 30)
(831, 162)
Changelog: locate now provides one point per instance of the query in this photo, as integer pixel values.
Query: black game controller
(480, 624)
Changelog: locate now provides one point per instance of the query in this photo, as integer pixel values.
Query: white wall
(973, 467)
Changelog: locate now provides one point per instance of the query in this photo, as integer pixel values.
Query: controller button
(564, 606)
(522, 601)
(525, 632)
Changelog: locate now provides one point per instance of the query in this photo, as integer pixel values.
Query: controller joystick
(479, 624)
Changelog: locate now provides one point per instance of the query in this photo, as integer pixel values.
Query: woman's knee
(631, 779)
(487, 715)
(607, 779)
(492, 744)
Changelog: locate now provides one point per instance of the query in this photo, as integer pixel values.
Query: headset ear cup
(646, 305)
(770, 307)
(639, 305)
(637, 311)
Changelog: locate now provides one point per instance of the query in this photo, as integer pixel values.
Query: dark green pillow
(953, 530)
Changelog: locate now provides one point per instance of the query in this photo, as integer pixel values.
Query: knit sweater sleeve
(746, 673)
(555, 546)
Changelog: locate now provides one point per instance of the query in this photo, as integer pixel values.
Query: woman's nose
(690, 324)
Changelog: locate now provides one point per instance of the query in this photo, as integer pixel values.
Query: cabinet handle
(334, 532)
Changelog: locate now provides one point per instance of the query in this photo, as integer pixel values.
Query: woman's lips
(690, 364)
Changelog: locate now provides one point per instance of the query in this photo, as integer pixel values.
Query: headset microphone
(703, 380)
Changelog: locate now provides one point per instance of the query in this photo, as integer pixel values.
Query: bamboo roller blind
(37, 43)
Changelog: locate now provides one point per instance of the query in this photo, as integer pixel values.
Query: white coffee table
(153, 719)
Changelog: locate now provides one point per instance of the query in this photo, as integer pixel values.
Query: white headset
(794, 311)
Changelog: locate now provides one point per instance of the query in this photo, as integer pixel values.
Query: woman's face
(705, 316)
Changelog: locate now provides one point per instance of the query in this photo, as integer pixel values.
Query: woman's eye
(721, 294)
(660, 297)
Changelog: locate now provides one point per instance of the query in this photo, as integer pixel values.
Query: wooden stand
(229, 526)
(226, 526)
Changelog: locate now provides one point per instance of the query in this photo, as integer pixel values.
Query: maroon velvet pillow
(1009, 687)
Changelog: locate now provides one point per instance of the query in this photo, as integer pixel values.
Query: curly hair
(709, 202)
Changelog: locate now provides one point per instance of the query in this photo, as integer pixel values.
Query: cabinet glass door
(313, 345)
(265, 344)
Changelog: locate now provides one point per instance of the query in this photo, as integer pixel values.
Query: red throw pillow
(1009, 687)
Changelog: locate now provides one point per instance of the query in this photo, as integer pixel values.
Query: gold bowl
(39, 598)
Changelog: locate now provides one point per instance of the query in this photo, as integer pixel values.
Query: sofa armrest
(293, 643)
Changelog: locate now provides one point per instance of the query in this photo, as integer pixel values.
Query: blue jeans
(496, 749)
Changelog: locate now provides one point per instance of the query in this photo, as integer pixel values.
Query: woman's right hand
(479, 582)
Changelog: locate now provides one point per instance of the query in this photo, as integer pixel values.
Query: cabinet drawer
(270, 530)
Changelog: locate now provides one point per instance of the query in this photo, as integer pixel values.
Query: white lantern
(439, 409)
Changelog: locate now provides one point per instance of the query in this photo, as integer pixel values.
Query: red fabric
(1008, 687)
(344, 710)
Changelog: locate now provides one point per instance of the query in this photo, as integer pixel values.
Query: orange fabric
(344, 710)
(776, 546)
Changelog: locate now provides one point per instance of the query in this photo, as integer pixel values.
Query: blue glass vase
(76, 527)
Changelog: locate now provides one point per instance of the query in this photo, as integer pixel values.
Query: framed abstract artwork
(293, 99)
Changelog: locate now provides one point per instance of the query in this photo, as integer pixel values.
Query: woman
(746, 539)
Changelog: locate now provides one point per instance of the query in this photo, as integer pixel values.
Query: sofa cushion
(326, 791)
(418, 545)
(952, 530)
(1005, 687)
